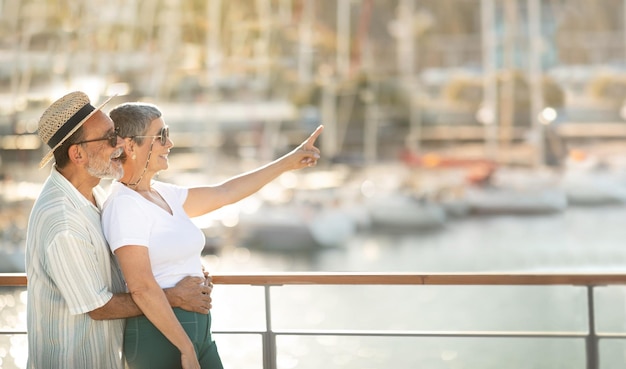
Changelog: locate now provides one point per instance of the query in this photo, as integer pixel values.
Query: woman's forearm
(201, 200)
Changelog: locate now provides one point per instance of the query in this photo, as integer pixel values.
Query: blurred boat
(295, 227)
(477, 170)
(588, 180)
(594, 188)
(399, 211)
(498, 200)
(334, 226)
(275, 229)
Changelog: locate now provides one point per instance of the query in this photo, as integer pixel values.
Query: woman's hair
(133, 119)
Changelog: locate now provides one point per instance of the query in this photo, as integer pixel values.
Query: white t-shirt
(174, 242)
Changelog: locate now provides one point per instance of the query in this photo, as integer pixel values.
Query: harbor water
(580, 239)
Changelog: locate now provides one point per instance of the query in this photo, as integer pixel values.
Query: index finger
(310, 141)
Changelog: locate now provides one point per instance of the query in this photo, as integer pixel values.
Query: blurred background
(460, 135)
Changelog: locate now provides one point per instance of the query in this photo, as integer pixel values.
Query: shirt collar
(72, 192)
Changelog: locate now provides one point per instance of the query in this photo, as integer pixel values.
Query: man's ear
(76, 154)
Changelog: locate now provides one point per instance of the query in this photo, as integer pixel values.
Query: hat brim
(50, 153)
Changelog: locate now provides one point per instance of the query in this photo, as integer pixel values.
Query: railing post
(269, 338)
(593, 359)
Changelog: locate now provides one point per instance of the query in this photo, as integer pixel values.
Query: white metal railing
(268, 281)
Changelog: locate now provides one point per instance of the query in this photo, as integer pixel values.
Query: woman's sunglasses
(111, 137)
(164, 134)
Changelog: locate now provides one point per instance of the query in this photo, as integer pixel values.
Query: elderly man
(76, 294)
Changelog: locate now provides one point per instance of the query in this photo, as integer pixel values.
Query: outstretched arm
(201, 200)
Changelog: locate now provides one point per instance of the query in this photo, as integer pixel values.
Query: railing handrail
(588, 280)
(13, 279)
(350, 278)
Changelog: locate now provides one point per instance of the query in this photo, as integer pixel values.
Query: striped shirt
(70, 272)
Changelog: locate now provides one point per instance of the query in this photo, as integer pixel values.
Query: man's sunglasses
(111, 137)
(163, 135)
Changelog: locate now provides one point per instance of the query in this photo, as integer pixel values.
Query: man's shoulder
(55, 208)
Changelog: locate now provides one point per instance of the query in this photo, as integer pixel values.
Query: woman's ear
(129, 148)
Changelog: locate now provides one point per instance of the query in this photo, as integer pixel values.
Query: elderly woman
(143, 218)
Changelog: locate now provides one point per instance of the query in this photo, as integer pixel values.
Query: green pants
(145, 347)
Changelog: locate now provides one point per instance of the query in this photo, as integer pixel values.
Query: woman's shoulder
(165, 185)
(161, 184)
(118, 193)
(165, 188)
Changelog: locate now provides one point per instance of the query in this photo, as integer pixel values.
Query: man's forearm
(122, 306)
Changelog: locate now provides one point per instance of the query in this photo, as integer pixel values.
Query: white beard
(105, 169)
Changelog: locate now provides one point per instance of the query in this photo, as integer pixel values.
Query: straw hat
(64, 117)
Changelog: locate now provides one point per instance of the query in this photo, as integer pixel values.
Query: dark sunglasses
(111, 137)
(163, 135)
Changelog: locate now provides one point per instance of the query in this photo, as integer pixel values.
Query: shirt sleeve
(71, 262)
(125, 222)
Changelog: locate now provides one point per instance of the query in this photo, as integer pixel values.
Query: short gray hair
(132, 119)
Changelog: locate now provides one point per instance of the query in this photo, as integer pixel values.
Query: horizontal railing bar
(611, 335)
(395, 333)
(359, 332)
(420, 279)
(19, 279)
(494, 334)
(407, 333)
(391, 333)
(12, 279)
